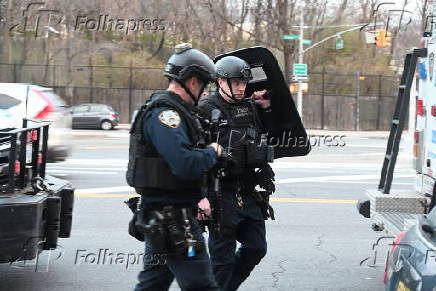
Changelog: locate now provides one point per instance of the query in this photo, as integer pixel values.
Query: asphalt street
(317, 242)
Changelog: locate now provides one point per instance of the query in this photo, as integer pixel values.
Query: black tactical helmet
(187, 62)
(233, 67)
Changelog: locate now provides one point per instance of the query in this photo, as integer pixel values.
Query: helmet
(187, 62)
(233, 67)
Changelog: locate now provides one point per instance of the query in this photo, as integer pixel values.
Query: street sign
(299, 70)
(291, 37)
(340, 44)
(300, 78)
(370, 37)
(306, 41)
(294, 87)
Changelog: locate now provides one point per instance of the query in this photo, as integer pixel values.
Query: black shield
(290, 137)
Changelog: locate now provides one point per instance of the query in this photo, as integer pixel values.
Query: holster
(132, 204)
(262, 197)
(164, 229)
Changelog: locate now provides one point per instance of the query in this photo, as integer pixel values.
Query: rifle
(212, 180)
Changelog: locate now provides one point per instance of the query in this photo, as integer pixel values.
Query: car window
(80, 109)
(99, 108)
(55, 99)
(7, 101)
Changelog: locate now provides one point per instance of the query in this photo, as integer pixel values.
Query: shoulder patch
(170, 118)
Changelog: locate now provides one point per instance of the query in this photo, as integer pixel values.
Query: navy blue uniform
(184, 161)
(169, 136)
(242, 219)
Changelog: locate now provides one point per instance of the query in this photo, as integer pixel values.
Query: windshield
(7, 101)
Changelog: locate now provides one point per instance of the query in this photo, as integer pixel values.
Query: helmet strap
(195, 100)
(231, 96)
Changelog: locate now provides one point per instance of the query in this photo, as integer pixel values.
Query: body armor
(240, 133)
(146, 168)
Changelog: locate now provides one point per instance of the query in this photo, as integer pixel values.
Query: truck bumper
(32, 223)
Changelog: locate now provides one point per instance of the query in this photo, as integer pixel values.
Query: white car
(42, 105)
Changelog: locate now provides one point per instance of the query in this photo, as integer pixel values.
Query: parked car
(411, 263)
(94, 116)
(41, 104)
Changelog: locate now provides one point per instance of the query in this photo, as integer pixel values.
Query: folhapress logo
(108, 23)
(37, 20)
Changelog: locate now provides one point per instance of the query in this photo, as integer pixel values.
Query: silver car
(19, 100)
(94, 116)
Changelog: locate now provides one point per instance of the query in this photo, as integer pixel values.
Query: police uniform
(242, 219)
(166, 169)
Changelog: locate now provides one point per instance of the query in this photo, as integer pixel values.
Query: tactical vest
(146, 168)
(240, 132)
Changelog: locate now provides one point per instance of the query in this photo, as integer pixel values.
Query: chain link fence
(333, 101)
(350, 102)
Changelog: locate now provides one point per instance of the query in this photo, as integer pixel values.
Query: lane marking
(361, 182)
(106, 195)
(103, 147)
(80, 172)
(365, 146)
(273, 199)
(130, 189)
(330, 178)
(312, 200)
(92, 169)
(106, 190)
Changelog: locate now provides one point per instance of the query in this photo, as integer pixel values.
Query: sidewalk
(350, 133)
(355, 134)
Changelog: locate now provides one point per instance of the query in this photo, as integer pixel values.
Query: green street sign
(300, 70)
(306, 41)
(291, 37)
(339, 44)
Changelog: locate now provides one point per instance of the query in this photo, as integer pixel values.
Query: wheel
(106, 125)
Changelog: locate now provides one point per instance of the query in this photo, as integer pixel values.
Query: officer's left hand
(260, 99)
(204, 205)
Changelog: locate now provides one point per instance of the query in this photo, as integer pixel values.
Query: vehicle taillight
(114, 115)
(420, 109)
(394, 246)
(415, 150)
(34, 135)
(433, 111)
(416, 138)
(17, 167)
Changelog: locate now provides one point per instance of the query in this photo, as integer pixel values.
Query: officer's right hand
(204, 208)
(218, 149)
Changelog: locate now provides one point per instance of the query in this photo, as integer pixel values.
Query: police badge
(170, 118)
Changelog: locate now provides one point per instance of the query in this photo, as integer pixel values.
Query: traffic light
(382, 38)
(387, 39)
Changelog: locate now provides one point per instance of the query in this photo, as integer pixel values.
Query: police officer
(166, 163)
(243, 123)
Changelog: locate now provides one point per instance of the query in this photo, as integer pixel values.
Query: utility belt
(167, 229)
(242, 187)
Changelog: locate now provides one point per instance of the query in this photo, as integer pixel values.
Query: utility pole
(300, 61)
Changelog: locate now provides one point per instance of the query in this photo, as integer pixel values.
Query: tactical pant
(192, 274)
(246, 225)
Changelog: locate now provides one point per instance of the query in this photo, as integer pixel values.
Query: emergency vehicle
(409, 217)
(35, 209)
